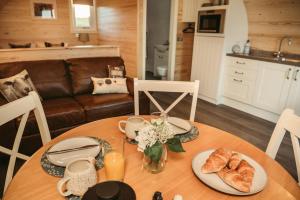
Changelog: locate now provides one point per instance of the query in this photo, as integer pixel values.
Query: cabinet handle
(288, 74)
(295, 75)
(240, 73)
(240, 63)
(236, 80)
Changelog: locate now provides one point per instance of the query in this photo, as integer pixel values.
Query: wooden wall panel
(117, 25)
(269, 20)
(2, 3)
(184, 50)
(18, 26)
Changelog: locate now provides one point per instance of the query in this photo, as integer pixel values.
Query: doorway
(157, 39)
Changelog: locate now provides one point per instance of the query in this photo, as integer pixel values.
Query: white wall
(158, 26)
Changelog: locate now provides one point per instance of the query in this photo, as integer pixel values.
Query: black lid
(110, 190)
(157, 196)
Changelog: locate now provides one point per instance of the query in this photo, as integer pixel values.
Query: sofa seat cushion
(106, 105)
(60, 113)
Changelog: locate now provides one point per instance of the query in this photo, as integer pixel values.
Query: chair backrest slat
(166, 86)
(15, 109)
(288, 122)
(22, 107)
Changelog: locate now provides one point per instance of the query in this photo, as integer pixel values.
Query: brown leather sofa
(66, 89)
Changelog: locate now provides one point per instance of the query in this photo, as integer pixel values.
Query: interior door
(274, 81)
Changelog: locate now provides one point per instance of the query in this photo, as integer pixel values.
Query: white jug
(79, 175)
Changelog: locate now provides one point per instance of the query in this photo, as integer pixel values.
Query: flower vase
(155, 167)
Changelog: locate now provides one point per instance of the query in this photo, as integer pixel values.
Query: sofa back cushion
(50, 77)
(82, 69)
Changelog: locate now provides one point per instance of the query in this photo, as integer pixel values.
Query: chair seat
(60, 113)
(106, 105)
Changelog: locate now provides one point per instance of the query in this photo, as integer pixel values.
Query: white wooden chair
(290, 122)
(22, 107)
(166, 86)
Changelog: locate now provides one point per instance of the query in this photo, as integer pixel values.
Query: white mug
(132, 126)
(79, 175)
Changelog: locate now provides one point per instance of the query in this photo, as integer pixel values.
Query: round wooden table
(32, 183)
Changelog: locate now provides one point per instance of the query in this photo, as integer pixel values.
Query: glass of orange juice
(114, 161)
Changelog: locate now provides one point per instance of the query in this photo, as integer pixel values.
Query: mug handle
(120, 127)
(91, 160)
(60, 185)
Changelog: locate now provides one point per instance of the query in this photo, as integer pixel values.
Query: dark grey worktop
(291, 59)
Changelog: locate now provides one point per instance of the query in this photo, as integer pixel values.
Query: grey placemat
(58, 171)
(189, 136)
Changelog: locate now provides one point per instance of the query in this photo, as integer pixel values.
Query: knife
(73, 149)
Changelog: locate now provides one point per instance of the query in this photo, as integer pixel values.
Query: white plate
(214, 181)
(64, 158)
(180, 126)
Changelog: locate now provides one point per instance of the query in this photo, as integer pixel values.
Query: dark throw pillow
(48, 44)
(15, 46)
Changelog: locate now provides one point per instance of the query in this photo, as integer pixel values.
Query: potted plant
(154, 140)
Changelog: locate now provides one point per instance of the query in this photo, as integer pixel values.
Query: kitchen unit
(261, 88)
(210, 48)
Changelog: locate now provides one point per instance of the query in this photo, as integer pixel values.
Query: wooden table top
(32, 183)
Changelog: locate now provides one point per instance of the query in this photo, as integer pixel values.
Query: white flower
(159, 130)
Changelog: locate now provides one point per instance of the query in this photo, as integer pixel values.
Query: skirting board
(251, 110)
(208, 99)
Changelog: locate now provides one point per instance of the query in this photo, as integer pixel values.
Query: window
(83, 16)
(43, 9)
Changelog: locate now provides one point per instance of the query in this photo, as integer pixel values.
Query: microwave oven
(211, 21)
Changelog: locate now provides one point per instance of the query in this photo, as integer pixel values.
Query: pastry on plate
(216, 161)
(234, 161)
(234, 179)
(247, 171)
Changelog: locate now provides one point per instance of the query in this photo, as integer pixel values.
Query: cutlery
(73, 149)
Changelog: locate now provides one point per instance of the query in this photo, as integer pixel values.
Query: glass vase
(153, 166)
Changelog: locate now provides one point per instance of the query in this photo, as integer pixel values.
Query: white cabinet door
(206, 65)
(238, 89)
(273, 85)
(294, 95)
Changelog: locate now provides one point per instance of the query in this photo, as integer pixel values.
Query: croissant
(234, 179)
(234, 161)
(216, 161)
(246, 170)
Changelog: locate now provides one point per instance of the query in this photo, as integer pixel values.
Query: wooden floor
(250, 128)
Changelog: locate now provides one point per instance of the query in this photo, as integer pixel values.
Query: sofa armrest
(130, 85)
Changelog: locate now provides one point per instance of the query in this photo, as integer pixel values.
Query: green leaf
(174, 145)
(154, 152)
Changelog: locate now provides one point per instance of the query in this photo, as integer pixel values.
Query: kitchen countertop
(293, 60)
